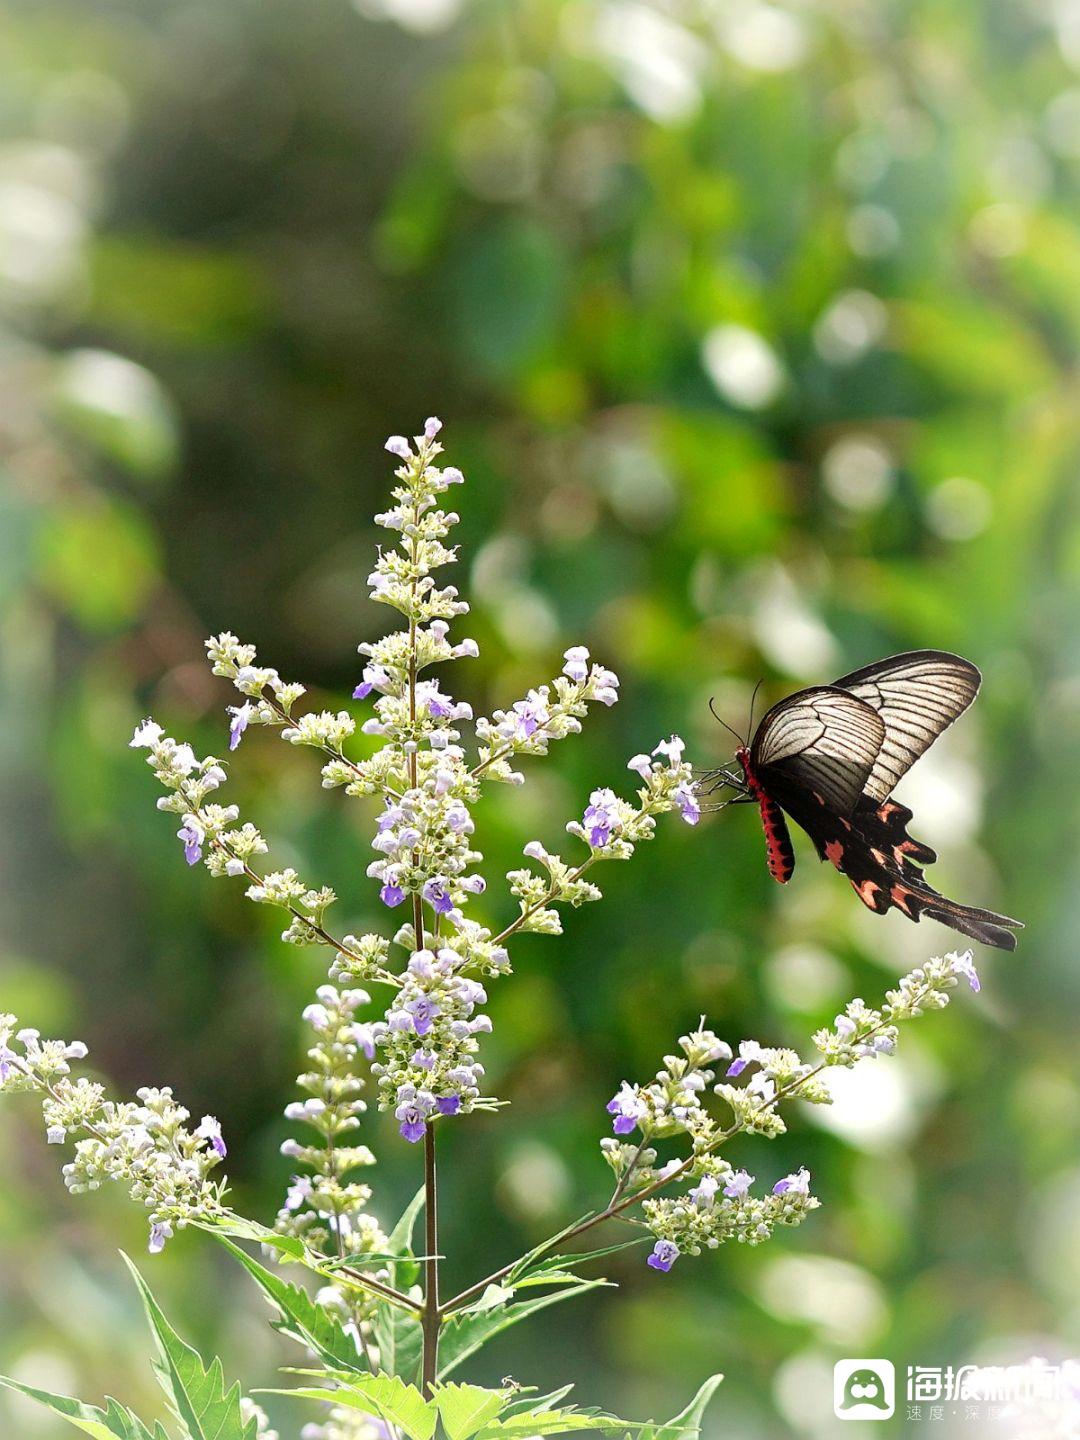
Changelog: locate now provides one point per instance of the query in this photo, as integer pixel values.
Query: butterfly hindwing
(873, 849)
(917, 695)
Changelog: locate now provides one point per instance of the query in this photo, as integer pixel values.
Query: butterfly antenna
(753, 702)
(723, 722)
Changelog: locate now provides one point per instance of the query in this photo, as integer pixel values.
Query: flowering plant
(381, 1339)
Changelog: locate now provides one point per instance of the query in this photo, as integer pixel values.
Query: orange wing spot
(819, 798)
(834, 851)
(900, 895)
(846, 823)
(868, 892)
(878, 856)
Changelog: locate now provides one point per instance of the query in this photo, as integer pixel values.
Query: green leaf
(557, 1269)
(465, 1409)
(526, 1403)
(302, 1319)
(203, 1405)
(394, 1401)
(400, 1338)
(290, 1247)
(466, 1331)
(400, 1238)
(553, 1422)
(112, 1423)
(687, 1424)
(405, 1272)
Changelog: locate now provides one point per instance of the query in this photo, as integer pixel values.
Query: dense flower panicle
(718, 1204)
(425, 862)
(325, 1207)
(148, 1146)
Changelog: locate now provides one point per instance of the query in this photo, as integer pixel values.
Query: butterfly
(829, 757)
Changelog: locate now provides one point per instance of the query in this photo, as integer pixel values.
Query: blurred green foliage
(754, 327)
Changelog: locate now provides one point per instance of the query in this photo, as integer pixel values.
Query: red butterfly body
(779, 855)
(829, 758)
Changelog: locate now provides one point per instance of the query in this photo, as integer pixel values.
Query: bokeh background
(754, 327)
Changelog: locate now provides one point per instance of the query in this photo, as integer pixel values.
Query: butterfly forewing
(917, 695)
(823, 740)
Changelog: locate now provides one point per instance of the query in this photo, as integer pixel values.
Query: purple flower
(210, 1130)
(363, 690)
(965, 965)
(577, 664)
(398, 445)
(749, 1051)
(797, 1184)
(439, 708)
(448, 1104)
(192, 836)
(412, 1124)
(364, 1038)
(530, 714)
(453, 476)
(391, 895)
(241, 719)
(664, 1254)
(432, 426)
(601, 817)
(641, 765)
(738, 1184)
(628, 1109)
(435, 893)
(423, 1011)
(159, 1233)
(686, 799)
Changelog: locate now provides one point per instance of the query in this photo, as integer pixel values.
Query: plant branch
(620, 1201)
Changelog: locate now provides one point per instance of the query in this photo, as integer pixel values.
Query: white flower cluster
(345, 1423)
(719, 1206)
(325, 1208)
(147, 1146)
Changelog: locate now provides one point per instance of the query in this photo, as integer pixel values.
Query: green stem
(432, 1315)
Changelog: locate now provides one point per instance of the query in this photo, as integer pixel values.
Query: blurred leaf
(113, 1423)
(100, 562)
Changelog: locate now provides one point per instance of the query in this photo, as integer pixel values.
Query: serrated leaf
(400, 1338)
(465, 1332)
(290, 1247)
(553, 1422)
(311, 1324)
(112, 1423)
(394, 1401)
(204, 1407)
(687, 1424)
(465, 1409)
(528, 1403)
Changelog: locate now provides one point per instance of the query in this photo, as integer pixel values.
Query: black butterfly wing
(822, 742)
(917, 695)
(873, 849)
